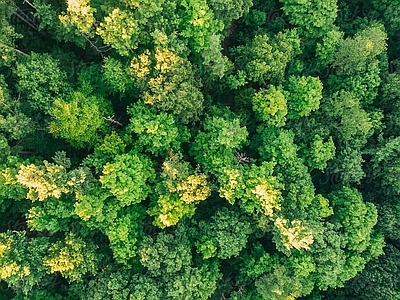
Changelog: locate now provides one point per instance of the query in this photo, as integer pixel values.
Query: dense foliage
(199, 149)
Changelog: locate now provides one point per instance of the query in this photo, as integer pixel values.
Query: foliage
(199, 149)
(305, 94)
(72, 257)
(40, 80)
(126, 178)
(225, 235)
(157, 133)
(314, 24)
(215, 146)
(355, 54)
(21, 260)
(179, 190)
(79, 120)
(8, 36)
(49, 180)
(271, 106)
(264, 59)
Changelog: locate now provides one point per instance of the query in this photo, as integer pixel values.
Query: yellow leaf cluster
(267, 196)
(165, 59)
(46, 181)
(160, 88)
(119, 30)
(228, 189)
(5, 246)
(62, 262)
(171, 209)
(35, 179)
(193, 188)
(79, 14)
(295, 235)
(12, 270)
(140, 65)
(166, 219)
(8, 177)
(67, 258)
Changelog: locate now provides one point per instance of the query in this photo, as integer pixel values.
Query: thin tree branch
(30, 4)
(16, 50)
(26, 19)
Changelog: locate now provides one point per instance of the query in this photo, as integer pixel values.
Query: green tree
(313, 17)
(270, 106)
(14, 123)
(224, 235)
(8, 36)
(123, 233)
(71, 257)
(264, 59)
(178, 191)
(80, 119)
(305, 94)
(385, 165)
(119, 30)
(379, 279)
(169, 81)
(355, 54)
(214, 148)
(127, 177)
(21, 260)
(41, 80)
(228, 11)
(158, 133)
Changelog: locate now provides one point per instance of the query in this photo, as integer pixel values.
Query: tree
(228, 11)
(41, 81)
(199, 24)
(314, 18)
(326, 49)
(80, 15)
(122, 22)
(158, 133)
(178, 191)
(80, 119)
(72, 257)
(167, 253)
(224, 235)
(214, 148)
(264, 60)
(170, 85)
(14, 123)
(380, 278)
(8, 36)
(270, 106)
(49, 180)
(123, 232)
(305, 93)
(21, 260)
(355, 54)
(319, 152)
(385, 165)
(127, 176)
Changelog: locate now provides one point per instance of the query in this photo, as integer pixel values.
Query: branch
(94, 46)
(25, 18)
(30, 4)
(16, 50)
(112, 120)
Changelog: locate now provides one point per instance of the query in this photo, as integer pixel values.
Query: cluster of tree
(199, 149)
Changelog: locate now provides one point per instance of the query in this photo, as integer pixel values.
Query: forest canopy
(199, 149)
